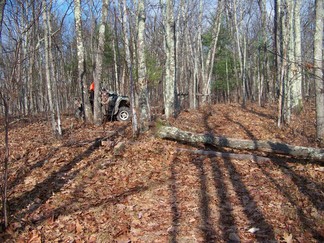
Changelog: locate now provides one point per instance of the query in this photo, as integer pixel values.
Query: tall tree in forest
(4, 184)
(3, 99)
(2, 8)
(296, 86)
(56, 127)
(170, 66)
(142, 82)
(81, 62)
(237, 12)
(199, 65)
(262, 53)
(281, 52)
(98, 69)
(286, 46)
(192, 48)
(126, 32)
(290, 99)
(318, 71)
(209, 63)
(276, 47)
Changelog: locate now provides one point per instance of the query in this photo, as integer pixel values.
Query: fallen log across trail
(311, 153)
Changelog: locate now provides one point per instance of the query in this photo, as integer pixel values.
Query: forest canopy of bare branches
(224, 51)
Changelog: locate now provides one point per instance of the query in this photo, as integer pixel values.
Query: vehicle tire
(123, 114)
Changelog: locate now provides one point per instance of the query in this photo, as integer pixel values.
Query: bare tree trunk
(318, 71)
(239, 51)
(228, 99)
(170, 75)
(93, 32)
(81, 62)
(98, 70)
(4, 186)
(211, 53)
(142, 82)
(200, 51)
(292, 47)
(262, 52)
(116, 73)
(276, 30)
(2, 8)
(284, 101)
(295, 80)
(53, 79)
(31, 64)
(48, 67)
(126, 30)
(24, 58)
(117, 55)
(297, 97)
(192, 58)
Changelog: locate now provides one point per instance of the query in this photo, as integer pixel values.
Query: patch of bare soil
(100, 185)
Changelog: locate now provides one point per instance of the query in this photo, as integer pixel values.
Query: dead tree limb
(174, 133)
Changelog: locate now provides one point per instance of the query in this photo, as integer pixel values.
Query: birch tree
(318, 71)
(142, 82)
(99, 56)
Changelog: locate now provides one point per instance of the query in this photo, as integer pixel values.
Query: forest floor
(97, 184)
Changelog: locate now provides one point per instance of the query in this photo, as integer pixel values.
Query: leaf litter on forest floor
(149, 192)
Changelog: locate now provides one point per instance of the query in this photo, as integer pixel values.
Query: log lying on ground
(174, 133)
(225, 155)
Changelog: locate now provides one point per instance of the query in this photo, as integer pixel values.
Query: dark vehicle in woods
(114, 106)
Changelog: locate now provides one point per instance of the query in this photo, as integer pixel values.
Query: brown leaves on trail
(147, 190)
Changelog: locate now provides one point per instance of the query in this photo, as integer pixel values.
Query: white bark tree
(318, 71)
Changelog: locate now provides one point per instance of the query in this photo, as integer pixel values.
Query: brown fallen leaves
(145, 190)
